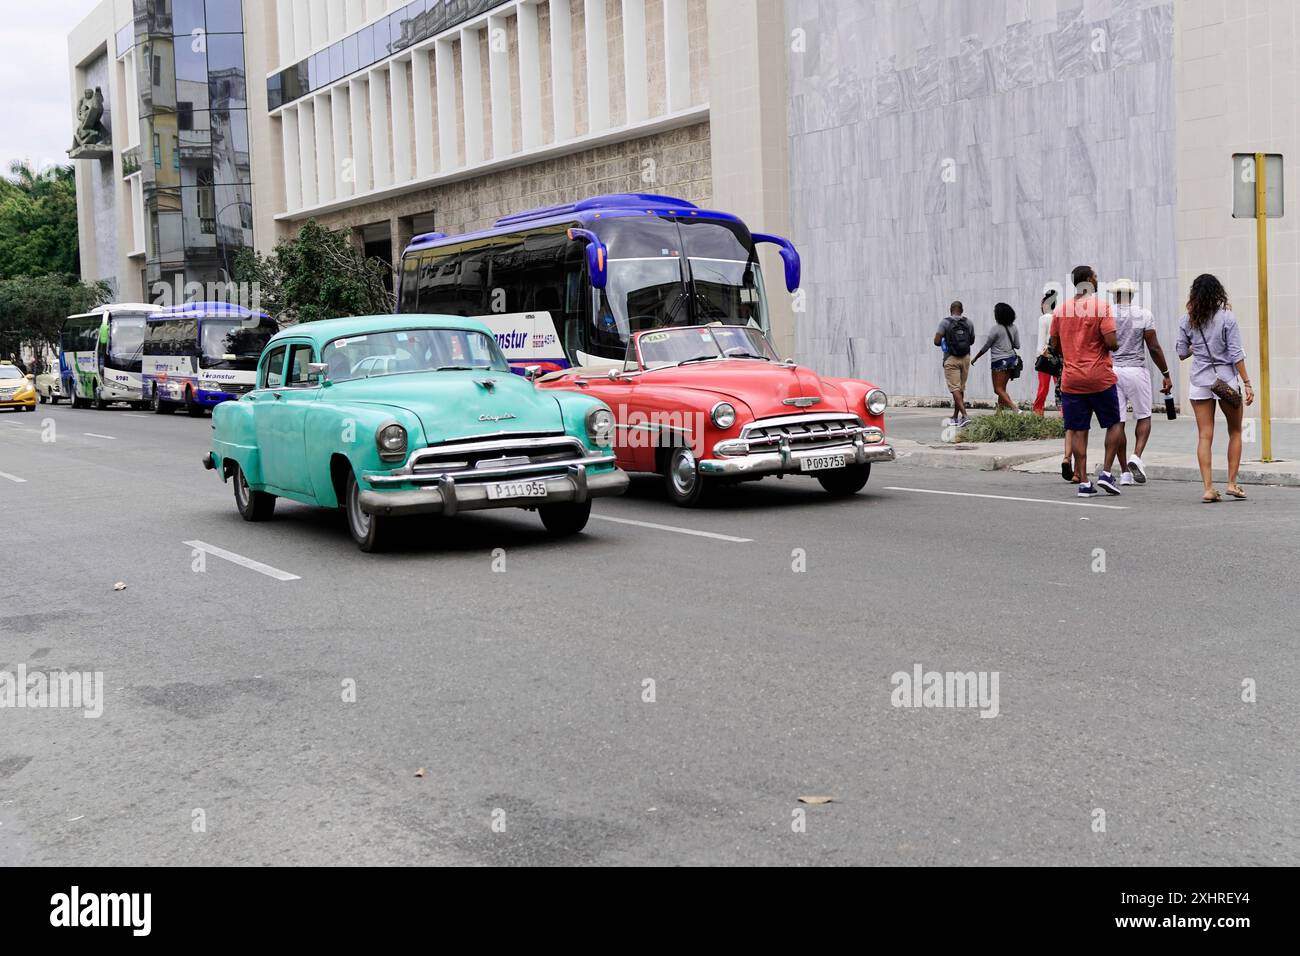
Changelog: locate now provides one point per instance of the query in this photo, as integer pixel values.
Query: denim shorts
(1003, 364)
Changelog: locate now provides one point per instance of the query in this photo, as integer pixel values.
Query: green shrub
(1005, 426)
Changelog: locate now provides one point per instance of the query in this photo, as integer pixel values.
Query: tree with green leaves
(38, 222)
(317, 274)
(32, 309)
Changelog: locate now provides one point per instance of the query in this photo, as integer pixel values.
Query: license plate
(517, 489)
(821, 462)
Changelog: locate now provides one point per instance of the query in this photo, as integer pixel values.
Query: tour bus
(99, 355)
(568, 285)
(200, 354)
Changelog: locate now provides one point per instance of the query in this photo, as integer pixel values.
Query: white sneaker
(1139, 469)
(950, 421)
(1126, 478)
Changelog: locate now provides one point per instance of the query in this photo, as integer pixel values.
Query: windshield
(412, 350)
(125, 343)
(234, 343)
(10, 371)
(680, 346)
(675, 271)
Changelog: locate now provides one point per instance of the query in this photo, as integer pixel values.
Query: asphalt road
(520, 692)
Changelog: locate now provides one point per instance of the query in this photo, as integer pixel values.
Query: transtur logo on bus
(512, 340)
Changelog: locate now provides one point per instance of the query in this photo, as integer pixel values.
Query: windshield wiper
(740, 354)
(455, 368)
(699, 358)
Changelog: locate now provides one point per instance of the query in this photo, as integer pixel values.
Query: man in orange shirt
(1083, 332)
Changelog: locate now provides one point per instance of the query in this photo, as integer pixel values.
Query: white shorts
(1134, 387)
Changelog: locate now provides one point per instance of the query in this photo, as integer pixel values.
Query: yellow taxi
(16, 389)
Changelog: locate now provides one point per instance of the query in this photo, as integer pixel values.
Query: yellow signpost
(1261, 251)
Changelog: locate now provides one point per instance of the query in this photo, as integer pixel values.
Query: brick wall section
(682, 165)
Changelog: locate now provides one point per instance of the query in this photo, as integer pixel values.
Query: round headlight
(723, 415)
(600, 422)
(391, 440)
(877, 401)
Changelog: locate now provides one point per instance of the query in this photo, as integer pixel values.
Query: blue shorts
(1003, 364)
(1077, 410)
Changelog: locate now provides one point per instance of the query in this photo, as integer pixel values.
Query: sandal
(1210, 497)
(1236, 491)
(1067, 469)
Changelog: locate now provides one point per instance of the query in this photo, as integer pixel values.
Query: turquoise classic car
(385, 416)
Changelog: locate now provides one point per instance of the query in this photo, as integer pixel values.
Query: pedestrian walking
(956, 335)
(1047, 364)
(1208, 334)
(1083, 331)
(1135, 332)
(1002, 340)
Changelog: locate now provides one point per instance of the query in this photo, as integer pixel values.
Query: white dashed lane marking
(668, 527)
(1040, 501)
(242, 561)
(96, 435)
(13, 478)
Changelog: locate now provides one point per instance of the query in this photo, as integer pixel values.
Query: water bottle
(1170, 412)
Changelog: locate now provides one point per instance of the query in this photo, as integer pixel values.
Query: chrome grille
(464, 458)
(801, 431)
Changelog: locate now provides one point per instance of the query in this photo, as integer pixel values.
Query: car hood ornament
(487, 383)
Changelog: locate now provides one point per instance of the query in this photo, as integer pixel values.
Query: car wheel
(372, 533)
(31, 408)
(100, 404)
(43, 397)
(192, 408)
(843, 482)
(252, 505)
(682, 478)
(566, 519)
(159, 406)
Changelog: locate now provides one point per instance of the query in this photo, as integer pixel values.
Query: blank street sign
(1243, 185)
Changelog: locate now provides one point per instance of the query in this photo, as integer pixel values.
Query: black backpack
(960, 336)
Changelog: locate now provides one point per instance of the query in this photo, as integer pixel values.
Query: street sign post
(1257, 194)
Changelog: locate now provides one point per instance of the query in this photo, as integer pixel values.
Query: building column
(284, 31)
(326, 167)
(561, 21)
(499, 87)
(422, 105)
(635, 79)
(677, 60)
(292, 160)
(399, 71)
(448, 140)
(359, 102)
(530, 78)
(301, 29)
(381, 140)
(341, 120)
(471, 75)
(336, 20)
(307, 153)
(598, 65)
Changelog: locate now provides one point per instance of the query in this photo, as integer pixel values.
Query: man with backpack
(956, 335)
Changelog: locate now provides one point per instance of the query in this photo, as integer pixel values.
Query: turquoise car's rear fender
(234, 441)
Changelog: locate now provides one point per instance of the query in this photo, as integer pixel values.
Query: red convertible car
(713, 403)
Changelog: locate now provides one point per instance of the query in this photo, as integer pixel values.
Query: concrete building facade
(916, 151)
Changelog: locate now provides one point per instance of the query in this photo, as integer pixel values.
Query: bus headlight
(600, 425)
(391, 440)
(877, 401)
(723, 415)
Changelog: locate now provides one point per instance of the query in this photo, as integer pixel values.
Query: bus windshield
(234, 343)
(666, 271)
(125, 343)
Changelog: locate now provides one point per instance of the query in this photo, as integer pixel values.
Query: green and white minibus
(99, 355)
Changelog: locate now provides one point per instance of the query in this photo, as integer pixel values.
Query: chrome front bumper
(451, 492)
(786, 460)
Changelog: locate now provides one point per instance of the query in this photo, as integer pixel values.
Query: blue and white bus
(568, 285)
(200, 354)
(99, 355)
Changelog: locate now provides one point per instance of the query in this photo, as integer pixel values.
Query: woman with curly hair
(1208, 334)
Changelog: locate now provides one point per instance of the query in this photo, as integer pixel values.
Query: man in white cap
(1136, 332)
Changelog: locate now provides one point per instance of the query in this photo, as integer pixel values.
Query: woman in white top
(1208, 334)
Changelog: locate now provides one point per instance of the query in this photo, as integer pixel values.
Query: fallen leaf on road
(816, 800)
(420, 772)
(119, 586)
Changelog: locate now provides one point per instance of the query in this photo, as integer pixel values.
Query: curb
(1170, 471)
(968, 456)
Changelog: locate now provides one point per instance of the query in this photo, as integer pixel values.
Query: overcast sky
(35, 103)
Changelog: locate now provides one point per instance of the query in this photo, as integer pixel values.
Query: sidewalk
(917, 435)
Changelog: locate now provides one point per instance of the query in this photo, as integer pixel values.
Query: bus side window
(470, 287)
(409, 297)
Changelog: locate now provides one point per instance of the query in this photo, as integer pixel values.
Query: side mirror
(532, 372)
(790, 258)
(614, 375)
(31, 377)
(318, 372)
(597, 255)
